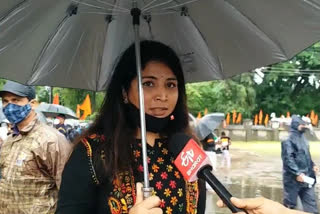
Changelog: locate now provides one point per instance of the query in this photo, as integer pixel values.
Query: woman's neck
(149, 135)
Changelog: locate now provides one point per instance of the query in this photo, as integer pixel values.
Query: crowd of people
(101, 172)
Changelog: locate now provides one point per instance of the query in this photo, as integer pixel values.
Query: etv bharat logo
(186, 157)
(189, 157)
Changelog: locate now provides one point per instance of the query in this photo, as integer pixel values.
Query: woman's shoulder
(91, 142)
(83, 154)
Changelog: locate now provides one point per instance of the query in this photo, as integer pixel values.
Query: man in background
(299, 171)
(32, 158)
(61, 127)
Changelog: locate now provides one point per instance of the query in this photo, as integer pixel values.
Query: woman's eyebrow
(149, 77)
(153, 77)
(172, 78)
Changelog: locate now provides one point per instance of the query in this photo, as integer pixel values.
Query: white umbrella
(208, 123)
(53, 110)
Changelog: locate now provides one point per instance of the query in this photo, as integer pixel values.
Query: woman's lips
(159, 111)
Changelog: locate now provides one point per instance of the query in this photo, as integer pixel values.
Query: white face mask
(56, 121)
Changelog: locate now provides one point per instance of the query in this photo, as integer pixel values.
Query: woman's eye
(148, 84)
(172, 85)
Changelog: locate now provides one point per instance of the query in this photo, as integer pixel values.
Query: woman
(103, 170)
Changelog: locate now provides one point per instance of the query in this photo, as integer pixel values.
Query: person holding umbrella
(31, 158)
(107, 161)
(61, 127)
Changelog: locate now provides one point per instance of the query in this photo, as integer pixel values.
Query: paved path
(251, 175)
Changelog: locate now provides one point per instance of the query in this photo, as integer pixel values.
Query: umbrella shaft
(136, 16)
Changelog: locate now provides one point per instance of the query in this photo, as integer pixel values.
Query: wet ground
(251, 174)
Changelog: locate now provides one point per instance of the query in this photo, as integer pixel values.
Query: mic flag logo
(186, 157)
(190, 160)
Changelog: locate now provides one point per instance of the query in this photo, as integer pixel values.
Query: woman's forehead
(158, 70)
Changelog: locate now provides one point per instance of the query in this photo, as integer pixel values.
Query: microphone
(193, 163)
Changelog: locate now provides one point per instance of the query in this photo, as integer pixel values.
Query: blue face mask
(15, 113)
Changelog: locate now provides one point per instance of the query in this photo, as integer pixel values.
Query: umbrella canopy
(75, 43)
(208, 123)
(53, 110)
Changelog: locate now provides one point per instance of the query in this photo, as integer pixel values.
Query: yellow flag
(260, 117)
(56, 99)
(228, 119)
(266, 120)
(256, 119)
(199, 115)
(239, 118)
(205, 111)
(78, 111)
(316, 120)
(234, 116)
(86, 107)
(312, 116)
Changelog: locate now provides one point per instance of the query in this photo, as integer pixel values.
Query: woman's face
(160, 87)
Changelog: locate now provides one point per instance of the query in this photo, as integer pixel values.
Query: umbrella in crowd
(208, 124)
(53, 110)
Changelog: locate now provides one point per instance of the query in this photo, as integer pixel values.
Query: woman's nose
(161, 95)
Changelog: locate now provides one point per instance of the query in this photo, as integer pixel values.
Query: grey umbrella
(53, 110)
(208, 123)
(75, 43)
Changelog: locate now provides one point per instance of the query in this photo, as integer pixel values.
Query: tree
(223, 96)
(291, 86)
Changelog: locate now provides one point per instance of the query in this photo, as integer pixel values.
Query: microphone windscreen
(177, 142)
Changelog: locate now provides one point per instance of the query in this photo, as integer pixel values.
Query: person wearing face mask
(61, 127)
(104, 172)
(299, 171)
(31, 158)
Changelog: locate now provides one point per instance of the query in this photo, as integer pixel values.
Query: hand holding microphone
(193, 163)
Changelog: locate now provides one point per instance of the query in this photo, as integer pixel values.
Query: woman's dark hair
(112, 121)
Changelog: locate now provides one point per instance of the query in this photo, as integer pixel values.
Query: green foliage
(223, 96)
(291, 86)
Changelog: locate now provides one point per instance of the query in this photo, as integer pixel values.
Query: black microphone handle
(205, 174)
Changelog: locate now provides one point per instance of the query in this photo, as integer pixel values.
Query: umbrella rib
(205, 41)
(157, 5)
(258, 29)
(102, 8)
(147, 5)
(99, 13)
(162, 13)
(36, 64)
(312, 4)
(12, 10)
(171, 7)
(114, 6)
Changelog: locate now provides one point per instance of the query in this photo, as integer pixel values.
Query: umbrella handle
(147, 192)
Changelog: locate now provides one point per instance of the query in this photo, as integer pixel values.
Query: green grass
(271, 147)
